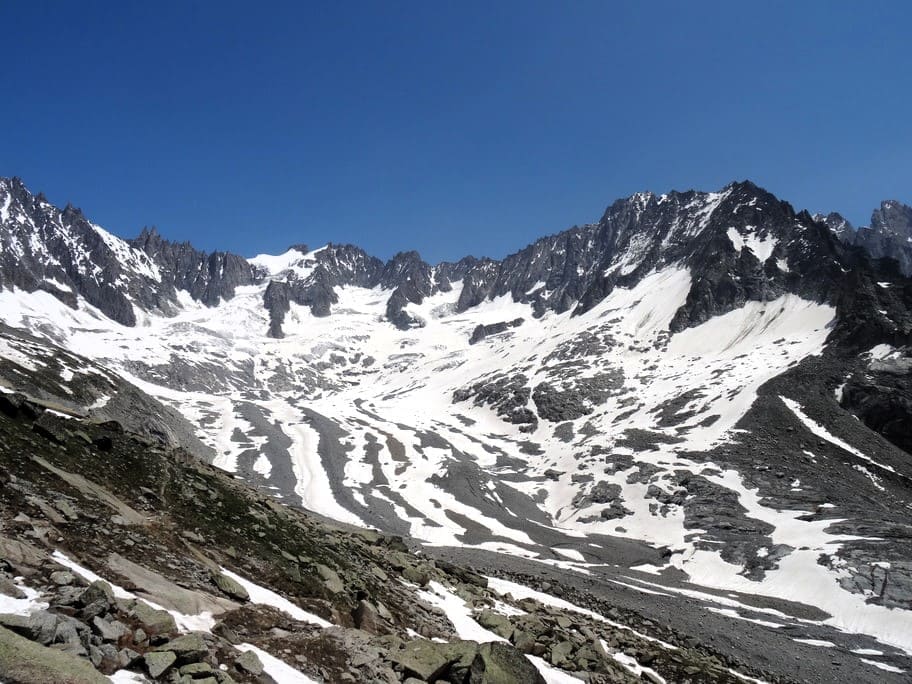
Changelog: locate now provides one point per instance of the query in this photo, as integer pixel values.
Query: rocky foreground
(120, 556)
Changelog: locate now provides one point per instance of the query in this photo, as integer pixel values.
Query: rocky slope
(186, 554)
(690, 414)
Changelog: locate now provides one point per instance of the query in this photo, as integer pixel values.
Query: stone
(196, 668)
(384, 612)
(559, 652)
(153, 621)
(63, 578)
(9, 588)
(498, 663)
(250, 663)
(230, 587)
(40, 626)
(158, 662)
(419, 576)
(563, 622)
(428, 660)
(22, 660)
(465, 661)
(523, 641)
(497, 623)
(190, 646)
(127, 656)
(98, 590)
(367, 617)
(331, 579)
(109, 631)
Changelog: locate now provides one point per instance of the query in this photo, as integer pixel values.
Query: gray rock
(109, 631)
(231, 587)
(158, 662)
(190, 646)
(127, 656)
(62, 578)
(250, 663)
(560, 652)
(9, 588)
(98, 591)
(419, 576)
(152, 621)
(497, 623)
(22, 660)
(331, 579)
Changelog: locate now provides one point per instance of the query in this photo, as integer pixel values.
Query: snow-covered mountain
(701, 395)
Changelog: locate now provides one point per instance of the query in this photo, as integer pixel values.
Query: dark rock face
(741, 244)
(60, 252)
(839, 225)
(411, 280)
(890, 234)
(483, 331)
(208, 278)
(314, 285)
(888, 237)
(507, 395)
(881, 396)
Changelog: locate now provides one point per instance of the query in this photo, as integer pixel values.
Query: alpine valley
(674, 445)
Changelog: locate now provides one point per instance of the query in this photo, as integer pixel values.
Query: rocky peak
(62, 253)
(894, 217)
(208, 278)
(890, 234)
(840, 226)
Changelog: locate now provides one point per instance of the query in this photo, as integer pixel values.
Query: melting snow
(279, 670)
(267, 597)
(822, 432)
(883, 666)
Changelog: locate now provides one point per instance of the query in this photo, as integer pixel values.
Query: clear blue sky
(448, 127)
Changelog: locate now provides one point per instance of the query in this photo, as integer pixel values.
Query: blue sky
(449, 127)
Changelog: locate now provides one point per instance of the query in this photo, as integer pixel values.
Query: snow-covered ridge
(300, 263)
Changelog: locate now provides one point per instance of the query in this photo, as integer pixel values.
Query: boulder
(498, 663)
(230, 587)
(331, 579)
(63, 578)
(559, 652)
(250, 663)
(158, 662)
(465, 661)
(367, 617)
(98, 590)
(497, 623)
(419, 576)
(109, 631)
(22, 660)
(152, 620)
(191, 646)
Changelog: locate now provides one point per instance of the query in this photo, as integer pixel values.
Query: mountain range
(689, 422)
